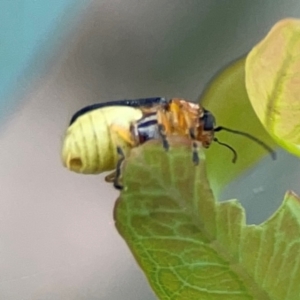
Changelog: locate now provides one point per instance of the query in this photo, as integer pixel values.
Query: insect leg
(195, 146)
(192, 133)
(124, 134)
(195, 150)
(163, 125)
(110, 177)
(174, 109)
(184, 119)
(118, 173)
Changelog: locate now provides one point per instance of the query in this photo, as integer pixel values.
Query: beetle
(98, 134)
(89, 145)
(101, 135)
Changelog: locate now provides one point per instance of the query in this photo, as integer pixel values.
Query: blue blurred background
(30, 33)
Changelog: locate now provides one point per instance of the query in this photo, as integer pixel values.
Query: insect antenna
(230, 148)
(249, 136)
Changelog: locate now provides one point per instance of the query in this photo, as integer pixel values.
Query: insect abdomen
(90, 146)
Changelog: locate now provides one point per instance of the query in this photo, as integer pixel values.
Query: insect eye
(208, 120)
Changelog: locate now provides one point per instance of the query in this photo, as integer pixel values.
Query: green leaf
(226, 97)
(273, 83)
(192, 247)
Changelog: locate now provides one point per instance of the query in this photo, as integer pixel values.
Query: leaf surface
(273, 83)
(226, 97)
(192, 247)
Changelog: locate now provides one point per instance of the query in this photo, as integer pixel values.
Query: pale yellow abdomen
(90, 146)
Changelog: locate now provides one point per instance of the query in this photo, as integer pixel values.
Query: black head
(208, 120)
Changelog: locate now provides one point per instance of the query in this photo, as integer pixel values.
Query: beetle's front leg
(192, 128)
(195, 146)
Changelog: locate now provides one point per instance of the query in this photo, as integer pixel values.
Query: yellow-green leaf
(273, 83)
(226, 97)
(192, 247)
